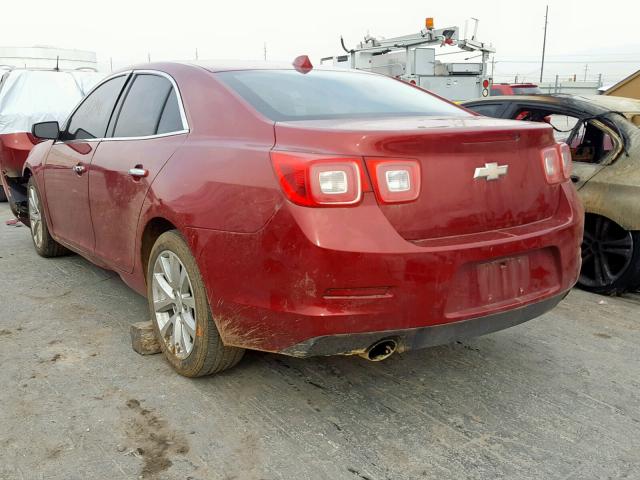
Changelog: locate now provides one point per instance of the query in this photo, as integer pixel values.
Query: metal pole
(544, 42)
(586, 69)
(493, 66)
(265, 51)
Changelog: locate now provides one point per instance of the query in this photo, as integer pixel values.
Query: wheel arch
(154, 227)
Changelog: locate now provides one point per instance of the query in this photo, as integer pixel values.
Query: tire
(44, 244)
(201, 352)
(610, 257)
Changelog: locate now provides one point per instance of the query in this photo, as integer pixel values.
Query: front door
(68, 164)
(148, 127)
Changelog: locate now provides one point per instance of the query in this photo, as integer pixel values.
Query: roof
(623, 82)
(619, 104)
(228, 65)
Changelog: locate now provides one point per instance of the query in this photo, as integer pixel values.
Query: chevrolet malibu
(304, 211)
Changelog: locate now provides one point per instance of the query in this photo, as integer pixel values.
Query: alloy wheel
(607, 250)
(35, 217)
(174, 304)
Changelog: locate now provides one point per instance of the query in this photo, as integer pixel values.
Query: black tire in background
(610, 257)
(181, 279)
(44, 244)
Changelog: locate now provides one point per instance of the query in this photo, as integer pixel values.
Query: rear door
(68, 163)
(147, 127)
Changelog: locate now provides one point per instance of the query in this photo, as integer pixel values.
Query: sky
(603, 36)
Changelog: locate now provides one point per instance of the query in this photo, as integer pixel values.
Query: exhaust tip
(381, 350)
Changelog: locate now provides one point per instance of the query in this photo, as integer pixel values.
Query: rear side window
(170, 120)
(284, 95)
(150, 107)
(92, 116)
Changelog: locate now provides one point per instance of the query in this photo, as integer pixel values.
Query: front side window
(286, 95)
(91, 118)
(150, 108)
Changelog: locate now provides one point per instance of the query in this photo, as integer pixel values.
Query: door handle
(138, 172)
(575, 178)
(79, 169)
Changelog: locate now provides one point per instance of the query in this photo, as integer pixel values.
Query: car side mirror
(46, 130)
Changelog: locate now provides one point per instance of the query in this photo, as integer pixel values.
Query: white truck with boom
(412, 58)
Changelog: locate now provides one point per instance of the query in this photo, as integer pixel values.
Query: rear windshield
(285, 95)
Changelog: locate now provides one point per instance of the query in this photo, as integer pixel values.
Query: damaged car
(304, 211)
(603, 133)
(28, 96)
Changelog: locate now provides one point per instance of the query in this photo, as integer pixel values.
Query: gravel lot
(555, 398)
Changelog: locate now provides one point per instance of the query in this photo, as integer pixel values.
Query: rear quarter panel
(614, 191)
(221, 178)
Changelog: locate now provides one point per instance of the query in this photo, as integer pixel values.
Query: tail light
(556, 162)
(320, 180)
(565, 155)
(395, 180)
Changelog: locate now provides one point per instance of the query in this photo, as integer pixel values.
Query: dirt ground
(555, 398)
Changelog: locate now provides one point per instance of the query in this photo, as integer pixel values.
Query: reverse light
(398, 180)
(395, 180)
(333, 182)
(320, 180)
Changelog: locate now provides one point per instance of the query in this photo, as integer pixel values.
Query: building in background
(628, 87)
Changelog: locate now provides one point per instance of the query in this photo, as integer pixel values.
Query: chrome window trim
(183, 115)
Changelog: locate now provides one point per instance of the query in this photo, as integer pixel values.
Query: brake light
(556, 163)
(302, 64)
(395, 180)
(320, 180)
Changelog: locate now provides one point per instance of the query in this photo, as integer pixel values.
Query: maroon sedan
(305, 211)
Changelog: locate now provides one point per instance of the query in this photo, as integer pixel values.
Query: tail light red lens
(395, 180)
(320, 180)
(556, 162)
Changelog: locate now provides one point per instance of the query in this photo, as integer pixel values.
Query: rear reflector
(395, 180)
(320, 180)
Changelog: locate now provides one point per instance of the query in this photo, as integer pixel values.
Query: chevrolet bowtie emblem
(491, 171)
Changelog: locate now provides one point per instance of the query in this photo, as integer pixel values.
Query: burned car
(603, 133)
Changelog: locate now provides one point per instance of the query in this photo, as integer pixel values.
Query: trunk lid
(449, 150)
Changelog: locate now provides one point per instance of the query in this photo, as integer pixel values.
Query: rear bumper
(416, 338)
(313, 277)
